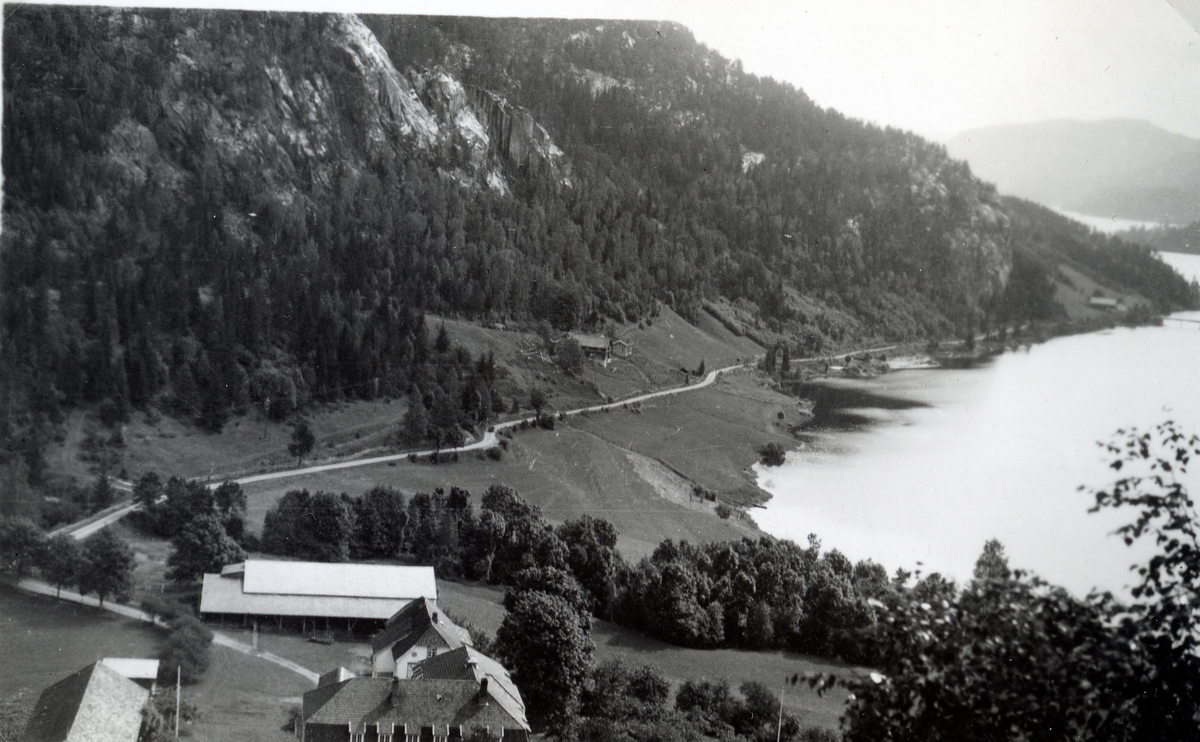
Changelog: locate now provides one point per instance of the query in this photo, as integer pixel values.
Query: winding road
(487, 441)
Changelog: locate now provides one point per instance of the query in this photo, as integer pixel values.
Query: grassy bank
(45, 640)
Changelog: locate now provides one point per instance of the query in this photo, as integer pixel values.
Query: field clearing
(352, 655)
(45, 640)
(483, 606)
(244, 698)
(1076, 297)
(711, 436)
(567, 472)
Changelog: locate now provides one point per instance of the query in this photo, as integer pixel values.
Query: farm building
(593, 346)
(1104, 302)
(286, 591)
(468, 663)
(417, 632)
(95, 704)
(409, 710)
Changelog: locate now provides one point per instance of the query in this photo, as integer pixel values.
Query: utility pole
(178, 675)
(779, 727)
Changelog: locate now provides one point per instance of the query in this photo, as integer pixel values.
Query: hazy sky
(935, 66)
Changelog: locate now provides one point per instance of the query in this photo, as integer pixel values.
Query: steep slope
(1125, 168)
(214, 212)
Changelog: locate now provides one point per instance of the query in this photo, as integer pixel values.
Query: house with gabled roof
(262, 588)
(417, 632)
(468, 663)
(380, 709)
(94, 704)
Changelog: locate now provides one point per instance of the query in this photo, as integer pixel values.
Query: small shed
(141, 671)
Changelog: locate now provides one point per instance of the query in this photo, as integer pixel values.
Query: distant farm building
(1104, 302)
(95, 704)
(281, 590)
(622, 348)
(593, 346)
(416, 633)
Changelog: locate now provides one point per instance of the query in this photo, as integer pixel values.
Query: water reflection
(925, 466)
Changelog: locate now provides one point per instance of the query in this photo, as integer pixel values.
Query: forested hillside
(211, 211)
(1185, 239)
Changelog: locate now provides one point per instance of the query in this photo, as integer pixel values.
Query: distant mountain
(1117, 167)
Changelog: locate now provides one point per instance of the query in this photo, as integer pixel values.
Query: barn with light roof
(313, 593)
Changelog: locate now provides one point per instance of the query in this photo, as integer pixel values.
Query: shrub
(724, 511)
(495, 453)
(164, 609)
(186, 649)
(772, 454)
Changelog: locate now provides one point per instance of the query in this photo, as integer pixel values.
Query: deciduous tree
(59, 561)
(107, 565)
(204, 547)
(20, 543)
(545, 641)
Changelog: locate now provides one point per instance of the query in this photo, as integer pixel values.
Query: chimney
(483, 686)
(395, 696)
(434, 617)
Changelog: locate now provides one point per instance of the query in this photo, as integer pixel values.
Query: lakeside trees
(1010, 656)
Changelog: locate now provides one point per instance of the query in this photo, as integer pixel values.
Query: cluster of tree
(102, 564)
(545, 639)
(205, 524)
(772, 454)
(1185, 239)
(158, 717)
(754, 594)
(461, 396)
(759, 594)
(1011, 657)
(505, 536)
(624, 703)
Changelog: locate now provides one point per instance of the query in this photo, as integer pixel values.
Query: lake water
(918, 468)
(1109, 224)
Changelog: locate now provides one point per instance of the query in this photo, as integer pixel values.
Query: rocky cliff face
(297, 117)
